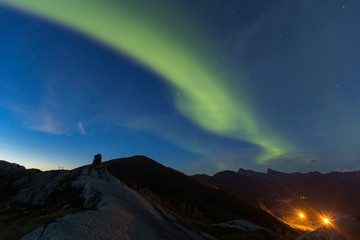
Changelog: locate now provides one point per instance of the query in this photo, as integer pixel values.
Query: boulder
(97, 160)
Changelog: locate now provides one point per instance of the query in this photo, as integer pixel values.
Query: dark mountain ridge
(335, 191)
(178, 189)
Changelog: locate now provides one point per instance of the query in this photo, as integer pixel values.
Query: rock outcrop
(245, 226)
(97, 160)
(114, 210)
(342, 229)
(35, 189)
(11, 167)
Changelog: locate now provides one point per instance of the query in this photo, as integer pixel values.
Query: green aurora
(148, 36)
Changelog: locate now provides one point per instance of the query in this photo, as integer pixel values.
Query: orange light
(326, 220)
(301, 215)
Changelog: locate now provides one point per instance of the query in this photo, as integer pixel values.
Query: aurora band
(205, 98)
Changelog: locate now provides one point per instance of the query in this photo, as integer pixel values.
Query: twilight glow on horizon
(200, 86)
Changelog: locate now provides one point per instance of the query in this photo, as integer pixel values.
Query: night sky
(200, 86)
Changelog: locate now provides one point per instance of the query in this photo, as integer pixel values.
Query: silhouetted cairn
(97, 160)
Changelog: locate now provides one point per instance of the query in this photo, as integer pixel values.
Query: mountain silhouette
(177, 189)
(336, 191)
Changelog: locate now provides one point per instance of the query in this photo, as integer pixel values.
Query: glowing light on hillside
(301, 214)
(327, 220)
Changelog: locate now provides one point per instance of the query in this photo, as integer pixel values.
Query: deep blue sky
(291, 68)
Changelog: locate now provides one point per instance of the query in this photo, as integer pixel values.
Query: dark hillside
(179, 189)
(335, 191)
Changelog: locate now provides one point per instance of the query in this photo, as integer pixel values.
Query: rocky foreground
(89, 203)
(342, 229)
(110, 210)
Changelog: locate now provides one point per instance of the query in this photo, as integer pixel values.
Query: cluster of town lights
(325, 220)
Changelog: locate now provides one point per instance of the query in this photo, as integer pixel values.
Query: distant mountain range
(336, 192)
